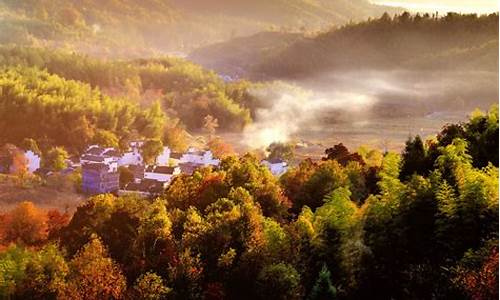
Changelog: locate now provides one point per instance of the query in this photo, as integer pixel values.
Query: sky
(443, 6)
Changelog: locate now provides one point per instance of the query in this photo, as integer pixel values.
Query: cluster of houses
(100, 168)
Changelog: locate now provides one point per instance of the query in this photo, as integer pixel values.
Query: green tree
(55, 159)
(149, 286)
(279, 281)
(150, 150)
(281, 151)
(323, 289)
(126, 176)
(105, 138)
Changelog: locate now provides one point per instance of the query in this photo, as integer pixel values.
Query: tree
(105, 138)
(31, 145)
(45, 275)
(12, 160)
(341, 154)
(279, 281)
(55, 159)
(25, 224)
(210, 125)
(414, 159)
(323, 288)
(219, 148)
(281, 151)
(150, 286)
(175, 138)
(126, 176)
(93, 275)
(150, 150)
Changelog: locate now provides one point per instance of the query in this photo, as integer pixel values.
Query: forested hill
(185, 90)
(404, 41)
(131, 27)
(401, 42)
(293, 13)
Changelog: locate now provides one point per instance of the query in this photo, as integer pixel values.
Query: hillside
(416, 42)
(402, 42)
(140, 28)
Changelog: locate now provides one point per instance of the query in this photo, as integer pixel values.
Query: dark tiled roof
(275, 161)
(92, 157)
(112, 152)
(164, 170)
(189, 168)
(95, 151)
(176, 155)
(160, 169)
(97, 167)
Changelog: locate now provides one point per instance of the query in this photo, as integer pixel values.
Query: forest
(357, 225)
(131, 28)
(186, 92)
(403, 41)
(334, 83)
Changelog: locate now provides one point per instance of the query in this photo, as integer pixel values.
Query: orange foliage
(94, 275)
(219, 148)
(482, 284)
(25, 224)
(56, 221)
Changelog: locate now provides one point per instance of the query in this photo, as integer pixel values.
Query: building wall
(33, 161)
(98, 182)
(158, 176)
(130, 158)
(164, 157)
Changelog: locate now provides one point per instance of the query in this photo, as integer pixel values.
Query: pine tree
(323, 288)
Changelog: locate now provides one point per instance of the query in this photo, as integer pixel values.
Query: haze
(443, 6)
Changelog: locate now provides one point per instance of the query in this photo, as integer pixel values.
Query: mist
(378, 108)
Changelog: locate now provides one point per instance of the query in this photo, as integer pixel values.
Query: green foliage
(58, 112)
(185, 90)
(323, 288)
(281, 151)
(230, 233)
(454, 41)
(150, 286)
(150, 150)
(279, 281)
(55, 159)
(126, 176)
(105, 138)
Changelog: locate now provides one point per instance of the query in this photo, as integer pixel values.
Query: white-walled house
(164, 158)
(199, 157)
(277, 166)
(161, 173)
(133, 156)
(33, 161)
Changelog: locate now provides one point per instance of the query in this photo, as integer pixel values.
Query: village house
(164, 158)
(99, 178)
(97, 154)
(195, 156)
(33, 161)
(161, 173)
(277, 166)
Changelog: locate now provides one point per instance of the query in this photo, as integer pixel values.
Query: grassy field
(52, 194)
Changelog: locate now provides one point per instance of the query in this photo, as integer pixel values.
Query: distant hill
(403, 41)
(292, 13)
(139, 28)
(238, 55)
